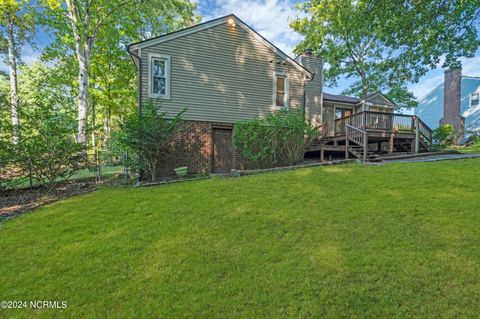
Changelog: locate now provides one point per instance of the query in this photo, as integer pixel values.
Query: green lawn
(470, 149)
(399, 240)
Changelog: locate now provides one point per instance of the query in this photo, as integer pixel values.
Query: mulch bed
(14, 202)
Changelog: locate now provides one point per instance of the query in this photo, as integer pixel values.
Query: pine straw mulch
(14, 202)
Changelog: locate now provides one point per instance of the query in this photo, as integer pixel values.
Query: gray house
(223, 72)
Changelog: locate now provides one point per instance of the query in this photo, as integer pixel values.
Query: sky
(271, 19)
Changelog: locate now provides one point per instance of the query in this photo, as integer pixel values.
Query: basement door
(222, 151)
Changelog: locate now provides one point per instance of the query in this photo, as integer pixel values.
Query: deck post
(347, 143)
(417, 135)
(365, 146)
(322, 153)
(390, 143)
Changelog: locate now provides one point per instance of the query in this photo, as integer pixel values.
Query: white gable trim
(216, 22)
(388, 102)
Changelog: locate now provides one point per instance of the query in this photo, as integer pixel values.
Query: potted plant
(181, 171)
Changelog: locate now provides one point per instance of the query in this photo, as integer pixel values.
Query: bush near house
(444, 136)
(147, 137)
(279, 139)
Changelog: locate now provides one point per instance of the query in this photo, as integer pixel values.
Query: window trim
(286, 98)
(477, 93)
(167, 59)
(335, 107)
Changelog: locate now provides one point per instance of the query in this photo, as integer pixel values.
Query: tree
(431, 31)
(384, 45)
(149, 135)
(47, 148)
(17, 19)
(4, 90)
(79, 25)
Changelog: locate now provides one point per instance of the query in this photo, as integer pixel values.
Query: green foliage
(254, 140)
(4, 90)
(473, 138)
(6, 151)
(22, 16)
(444, 136)
(47, 150)
(383, 45)
(147, 136)
(42, 86)
(111, 26)
(116, 151)
(280, 139)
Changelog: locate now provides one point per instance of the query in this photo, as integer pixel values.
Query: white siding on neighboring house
(221, 74)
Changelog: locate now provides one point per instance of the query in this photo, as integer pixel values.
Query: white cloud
(428, 83)
(29, 56)
(270, 18)
(470, 67)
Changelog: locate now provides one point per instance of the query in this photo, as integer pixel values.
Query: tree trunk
(82, 49)
(93, 122)
(82, 97)
(12, 63)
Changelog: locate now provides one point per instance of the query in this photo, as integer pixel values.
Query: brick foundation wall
(192, 147)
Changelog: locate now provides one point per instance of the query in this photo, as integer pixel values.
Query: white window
(474, 99)
(159, 76)
(280, 91)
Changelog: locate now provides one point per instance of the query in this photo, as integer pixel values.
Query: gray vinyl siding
(222, 74)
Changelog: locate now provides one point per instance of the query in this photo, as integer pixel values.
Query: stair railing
(358, 136)
(425, 131)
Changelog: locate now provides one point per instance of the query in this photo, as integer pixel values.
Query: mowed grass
(354, 241)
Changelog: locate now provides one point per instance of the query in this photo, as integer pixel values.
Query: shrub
(444, 136)
(47, 149)
(148, 136)
(279, 139)
(473, 138)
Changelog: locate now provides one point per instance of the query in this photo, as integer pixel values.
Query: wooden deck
(368, 135)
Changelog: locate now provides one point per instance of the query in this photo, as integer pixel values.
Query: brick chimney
(313, 88)
(451, 103)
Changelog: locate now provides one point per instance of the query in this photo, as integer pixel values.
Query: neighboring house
(223, 72)
(461, 107)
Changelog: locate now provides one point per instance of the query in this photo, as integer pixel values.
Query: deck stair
(402, 145)
(363, 134)
(357, 151)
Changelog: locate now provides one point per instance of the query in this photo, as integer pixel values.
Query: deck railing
(377, 121)
(357, 136)
(425, 131)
